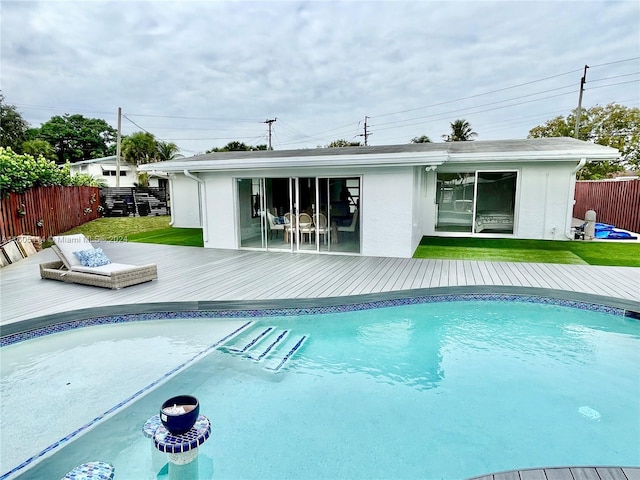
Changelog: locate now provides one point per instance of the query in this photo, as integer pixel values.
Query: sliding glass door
(316, 214)
(476, 202)
(495, 202)
(455, 202)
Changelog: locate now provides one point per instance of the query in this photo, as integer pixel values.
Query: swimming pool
(446, 389)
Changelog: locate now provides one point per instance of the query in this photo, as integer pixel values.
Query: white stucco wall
(96, 171)
(387, 213)
(543, 200)
(544, 193)
(389, 223)
(221, 222)
(397, 204)
(185, 202)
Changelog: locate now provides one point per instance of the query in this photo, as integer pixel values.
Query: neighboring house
(105, 168)
(380, 201)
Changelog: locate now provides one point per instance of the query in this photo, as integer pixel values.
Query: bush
(19, 173)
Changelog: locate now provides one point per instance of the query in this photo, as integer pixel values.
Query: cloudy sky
(201, 74)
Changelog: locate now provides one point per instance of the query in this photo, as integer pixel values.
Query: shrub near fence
(47, 211)
(615, 202)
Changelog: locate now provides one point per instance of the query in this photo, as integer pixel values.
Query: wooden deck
(567, 473)
(191, 274)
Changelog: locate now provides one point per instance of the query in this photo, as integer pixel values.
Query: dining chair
(289, 226)
(305, 226)
(321, 225)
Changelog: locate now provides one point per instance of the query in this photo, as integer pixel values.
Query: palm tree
(139, 148)
(168, 151)
(461, 131)
(421, 139)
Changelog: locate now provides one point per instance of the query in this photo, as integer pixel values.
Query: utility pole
(366, 132)
(583, 80)
(118, 137)
(269, 122)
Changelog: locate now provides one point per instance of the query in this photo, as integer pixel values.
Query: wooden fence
(47, 211)
(615, 202)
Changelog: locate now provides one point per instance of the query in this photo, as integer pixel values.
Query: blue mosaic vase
(179, 414)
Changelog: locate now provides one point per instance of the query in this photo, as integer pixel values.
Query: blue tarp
(605, 231)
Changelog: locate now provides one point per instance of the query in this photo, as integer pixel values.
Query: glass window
(455, 202)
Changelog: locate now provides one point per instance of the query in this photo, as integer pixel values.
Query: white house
(379, 201)
(105, 168)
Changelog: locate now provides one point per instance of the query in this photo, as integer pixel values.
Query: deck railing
(47, 211)
(615, 202)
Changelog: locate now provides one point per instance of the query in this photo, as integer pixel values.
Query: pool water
(438, 390)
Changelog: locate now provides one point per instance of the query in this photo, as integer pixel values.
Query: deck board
(198, 274)
(558, 474)
(566, 473)
(631, 473)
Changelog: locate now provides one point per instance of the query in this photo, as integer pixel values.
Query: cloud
(314, 65)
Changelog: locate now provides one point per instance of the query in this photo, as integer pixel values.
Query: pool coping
(19, 331)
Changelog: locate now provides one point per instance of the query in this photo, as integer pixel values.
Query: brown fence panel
(615, 202)
(47, 211)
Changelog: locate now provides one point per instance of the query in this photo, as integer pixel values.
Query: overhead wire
(486, 104)
(480, 94)
(295, 136)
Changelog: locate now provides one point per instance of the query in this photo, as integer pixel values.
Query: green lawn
(139, 229)
(543, 251)
(157, 230)
(190, 237)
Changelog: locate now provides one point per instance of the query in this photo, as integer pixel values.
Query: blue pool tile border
(297, 311)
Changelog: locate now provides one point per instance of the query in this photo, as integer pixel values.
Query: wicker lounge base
(137, 274)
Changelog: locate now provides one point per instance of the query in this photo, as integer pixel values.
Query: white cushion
(72, 243)
(106, 270)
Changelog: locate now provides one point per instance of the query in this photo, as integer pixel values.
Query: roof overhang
(557, 149)
(337, 161)
(529, 156)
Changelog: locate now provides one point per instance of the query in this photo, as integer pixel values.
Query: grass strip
(189, 237)
(119, 228)
(540, 251)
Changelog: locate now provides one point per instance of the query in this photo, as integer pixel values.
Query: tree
(37, 147)
(13, 128)
(343, 143)
(76, 138)
(461, 131)
(168, 151)
(236, 146)
(613, 125)
(140, 148)
(421, 139)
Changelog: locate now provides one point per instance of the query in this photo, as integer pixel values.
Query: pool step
(277, 362)
(266, 344)
(238, 334)
(257, 356)
(261, 335)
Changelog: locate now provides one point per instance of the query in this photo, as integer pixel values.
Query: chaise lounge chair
(95, 268)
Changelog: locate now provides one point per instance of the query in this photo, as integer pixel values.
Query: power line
(613, 84)
(479, 94)
(617, 61)
(141, 128)
(615, 76)
(239, 120)
(485, 104)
